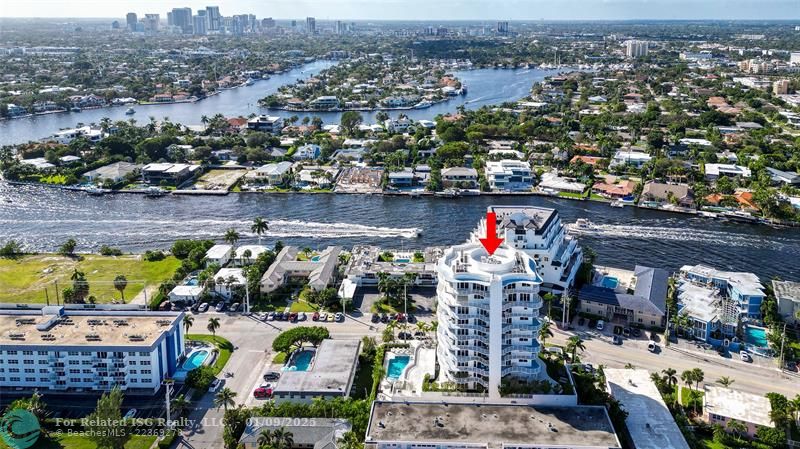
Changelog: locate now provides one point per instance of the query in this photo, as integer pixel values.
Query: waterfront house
(618, 190)
(460, 177)
(744, 289)
(723, 404)
(274, 174)
(316, 177)
(509, 175)
(39, 163)
(66, 136)
(645, 307)
(116, 172)
(324, 102)
(715, 171)
(169, 173)
(349, 154)
(655, 194)
(551, 182)
(629, 157)
(318, 270)
(266, 123)
(227, 281)
(218, 254)
(787, 294)
(400, 125)
(422, 174)
(594, 161)
(306, 152)
(401, 179)
(15, 110)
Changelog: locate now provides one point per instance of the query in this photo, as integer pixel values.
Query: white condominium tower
(488, 309)
(539, 233)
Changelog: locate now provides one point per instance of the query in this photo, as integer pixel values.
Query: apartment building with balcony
(539, 232)
(509, 175)
(488, 314)
(56, 350)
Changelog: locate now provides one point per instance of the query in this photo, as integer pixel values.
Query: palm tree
(688, 377)
(204, 121)
(698, 377)
(282, 439)
(545, 332)
(265, 439)
(349, 441)
(213, 325)
(725, 381)
(188, 320)
(737, 428)
(224, 398)
(179, 404)
(231, 236)
(259, 227)
(573, 344)
(670, 376)
(120, 283)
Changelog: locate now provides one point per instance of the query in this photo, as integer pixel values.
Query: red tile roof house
(620, 190)
(590, 160)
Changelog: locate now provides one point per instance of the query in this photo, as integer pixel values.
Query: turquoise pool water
(195, 360)
(756, 336)
(315, 259)
(609, 282)
(301, 361)
(404, 260)
(192, 281)
(396, 366)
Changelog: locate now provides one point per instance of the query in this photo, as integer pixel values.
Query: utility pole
(246, 296)
(783, 340)
(666, 328)
(168, 391)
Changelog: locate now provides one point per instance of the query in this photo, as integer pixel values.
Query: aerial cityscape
(398, 225)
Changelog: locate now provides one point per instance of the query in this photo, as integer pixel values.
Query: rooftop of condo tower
(473, 259)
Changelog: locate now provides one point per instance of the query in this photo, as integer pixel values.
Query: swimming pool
(300, 361)
(195, 360)
(315, 259)
(396, 366)
(756, 336)
(609, 282)
(403, 260)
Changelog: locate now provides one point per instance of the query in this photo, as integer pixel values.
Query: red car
(400, 317)
(315, 316)
(262, 393)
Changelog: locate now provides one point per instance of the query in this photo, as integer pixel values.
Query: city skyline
(418, 10)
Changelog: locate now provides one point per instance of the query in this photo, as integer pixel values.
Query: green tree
(231, 236)
(120, 283)
(225, 398)
(188, 321)
(259, 226)
(574, 344)
(350, 121)
(67, 249)
(725, 381)
(103, 425)
(213, 325)
(545, 332)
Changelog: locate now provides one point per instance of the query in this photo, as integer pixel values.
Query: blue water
(301, 361)
(402, 260)
(396, 366)
(610, 282)
(315, 259)
(195, 360)
(756, 336)
(192, 281)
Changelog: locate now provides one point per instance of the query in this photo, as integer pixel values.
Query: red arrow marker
(491, 242)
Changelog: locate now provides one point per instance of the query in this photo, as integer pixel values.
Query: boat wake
(682, 234)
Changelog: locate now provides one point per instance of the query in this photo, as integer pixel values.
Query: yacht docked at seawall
(539, 232)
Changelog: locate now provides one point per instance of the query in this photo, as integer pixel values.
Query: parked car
(401, 318)
(375, 318)
(600, 325)
(216, 385)
(617, 340)
(411, 318)
(263, 392)
(652, 347)
(220, 306)
(293, 317)
(235, 307)
(272, 376)
(195, 307)
(405, 336)
(270, 316)
(636, 332)
(339, 317)
(419, 335)
(203, 307)
(581, 321)
(315, 316)
(626, 332)
(790, 366)
(323, 316)
(302, 316)
(588, 367)
(331, 317)
(745, 356)
(384, 318)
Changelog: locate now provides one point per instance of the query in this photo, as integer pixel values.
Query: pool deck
(331, 372)
(423, 361)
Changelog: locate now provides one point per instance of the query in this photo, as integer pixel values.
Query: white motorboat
(581, 226)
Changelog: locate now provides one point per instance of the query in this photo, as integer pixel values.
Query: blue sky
(424, 9)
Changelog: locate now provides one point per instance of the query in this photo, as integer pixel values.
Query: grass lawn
(302, 306)
(280, 358)
(362, 383)
(225, 348)
(577, 196)
(64, 441)
(25, 279)
(709, 443)
(686, 396)
(53, 179)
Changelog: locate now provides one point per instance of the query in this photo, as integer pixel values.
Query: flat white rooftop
(649, 421)
(738, 405)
